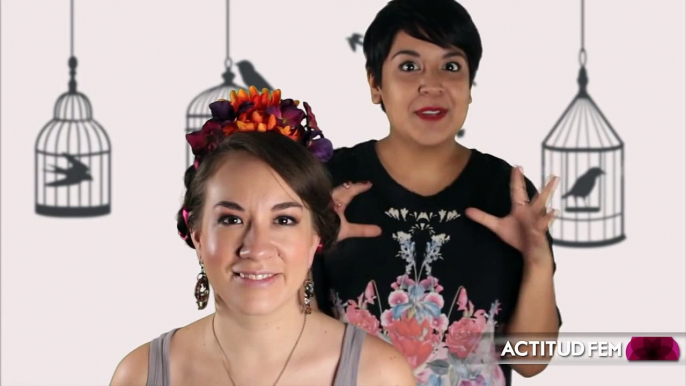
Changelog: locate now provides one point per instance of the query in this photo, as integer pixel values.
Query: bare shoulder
(133, 369)
(382, 364)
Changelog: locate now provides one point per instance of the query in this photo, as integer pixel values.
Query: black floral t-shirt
(435, 284)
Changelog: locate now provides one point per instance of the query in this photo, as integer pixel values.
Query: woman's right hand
(342, 196)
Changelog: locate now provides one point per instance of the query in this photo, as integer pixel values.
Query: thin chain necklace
(226, 360)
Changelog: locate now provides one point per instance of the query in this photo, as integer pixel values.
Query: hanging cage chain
(227, 62)
(72, 59)
(582, 51)
(71, 46)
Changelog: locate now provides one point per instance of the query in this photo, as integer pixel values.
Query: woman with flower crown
(256, 210)
(442, 247)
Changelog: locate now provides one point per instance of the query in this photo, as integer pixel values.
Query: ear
(374, 89)
(313, 248)
(195, 238)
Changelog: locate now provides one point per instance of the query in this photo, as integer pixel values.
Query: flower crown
(254, 111)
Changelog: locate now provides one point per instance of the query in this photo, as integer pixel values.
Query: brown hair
(304, 173)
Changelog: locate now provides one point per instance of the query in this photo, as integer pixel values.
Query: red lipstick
(431, 113)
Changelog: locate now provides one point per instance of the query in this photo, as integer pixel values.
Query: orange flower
(294, 133)
(260, 100)
(256, 118)
(230, 129)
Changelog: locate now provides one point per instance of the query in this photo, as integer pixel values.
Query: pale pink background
(78, 294)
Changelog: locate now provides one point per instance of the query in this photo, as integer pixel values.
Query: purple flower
(322, 149)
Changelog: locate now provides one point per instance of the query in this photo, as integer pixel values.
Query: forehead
(244, 177)
(405, 42)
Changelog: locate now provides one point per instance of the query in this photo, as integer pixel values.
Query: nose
(431, 83)
(257, 244)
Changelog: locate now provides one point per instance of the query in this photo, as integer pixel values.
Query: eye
(453, 66)
(286, 220)
(230, 220)
(408, 66)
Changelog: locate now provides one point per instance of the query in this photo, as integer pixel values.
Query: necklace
(226, 360)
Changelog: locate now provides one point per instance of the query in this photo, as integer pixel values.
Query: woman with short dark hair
(442, 246)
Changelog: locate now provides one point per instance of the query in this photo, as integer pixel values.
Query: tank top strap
(158, 360)
(348, 365)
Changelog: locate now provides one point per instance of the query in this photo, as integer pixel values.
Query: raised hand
(526, 226)
(342, 196)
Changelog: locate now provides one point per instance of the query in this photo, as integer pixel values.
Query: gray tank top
(346, 373)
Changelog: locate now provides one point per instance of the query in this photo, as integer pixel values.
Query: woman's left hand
(525, 227)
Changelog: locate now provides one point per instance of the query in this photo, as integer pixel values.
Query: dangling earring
(309, 293)
(202, 289)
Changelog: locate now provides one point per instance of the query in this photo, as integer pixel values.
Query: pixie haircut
(444, 23)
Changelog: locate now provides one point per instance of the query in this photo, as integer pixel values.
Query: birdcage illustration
(198, 110)
(73, 171)
(587, 154)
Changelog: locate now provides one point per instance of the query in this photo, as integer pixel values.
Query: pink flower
(362, 319)
(402, 281)
(387, 318)
(369, 295)
(463, 336)
(431, 282)
(440, 324)
(398, 297)
(435, 299)
(413, 339)
(463, 303)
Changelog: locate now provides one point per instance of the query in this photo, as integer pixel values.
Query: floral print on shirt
(417, 319)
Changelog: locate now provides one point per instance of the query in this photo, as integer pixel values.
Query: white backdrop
(79, 294)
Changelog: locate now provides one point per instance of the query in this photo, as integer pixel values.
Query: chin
(256, 301)
(432, 138)
(253, 306)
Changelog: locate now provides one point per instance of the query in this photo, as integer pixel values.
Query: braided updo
(304, 173)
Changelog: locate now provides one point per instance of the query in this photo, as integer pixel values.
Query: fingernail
(521, 169)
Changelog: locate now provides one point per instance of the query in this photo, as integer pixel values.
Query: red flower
(463, 336)
(413, 339)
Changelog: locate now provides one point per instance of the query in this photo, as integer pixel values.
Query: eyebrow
(235, 206)
(416, 54)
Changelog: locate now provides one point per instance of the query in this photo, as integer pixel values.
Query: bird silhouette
(354, 40)
(584, 185)
(75, 174)
(251, 77)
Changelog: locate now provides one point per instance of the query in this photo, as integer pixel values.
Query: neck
(248, 338)
(430, 157)
(440, 164)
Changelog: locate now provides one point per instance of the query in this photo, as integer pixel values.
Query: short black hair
(444, 23)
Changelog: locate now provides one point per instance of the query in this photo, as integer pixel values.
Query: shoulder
(133, 369)
(497, 167)
(492, 177)
(382, 364)
(347, 162)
